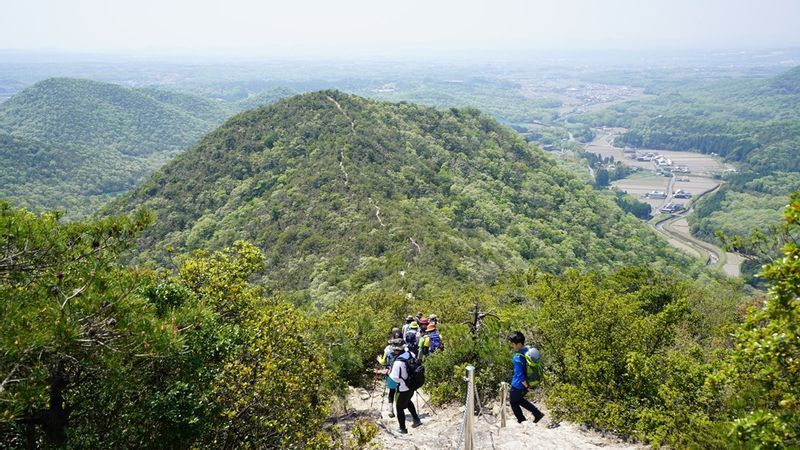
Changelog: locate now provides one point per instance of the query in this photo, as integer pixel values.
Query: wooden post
(470, 411)
(503, 397)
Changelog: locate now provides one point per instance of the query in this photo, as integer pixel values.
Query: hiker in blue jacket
(519, 382)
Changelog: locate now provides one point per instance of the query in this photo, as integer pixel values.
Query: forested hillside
(344, 193)
(754, 123)
(70, 144)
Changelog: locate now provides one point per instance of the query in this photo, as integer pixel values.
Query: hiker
(519, 382)
(423, 327)
(433, 319)
(432, 341)
(400, 375)
(387, 360)
(396, 333)
(419, 317)
(409, 319)
(411, 338)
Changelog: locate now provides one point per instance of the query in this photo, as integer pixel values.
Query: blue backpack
(434, 342)
(411, 341)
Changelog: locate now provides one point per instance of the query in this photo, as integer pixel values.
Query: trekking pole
(426, 403)
(372, 394)
(383, 394)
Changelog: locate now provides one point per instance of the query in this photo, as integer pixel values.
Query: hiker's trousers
(518, 401)
(402, 400)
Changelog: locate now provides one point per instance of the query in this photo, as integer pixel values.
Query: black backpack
(415, 370)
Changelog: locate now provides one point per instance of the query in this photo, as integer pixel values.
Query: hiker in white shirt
(402, 400)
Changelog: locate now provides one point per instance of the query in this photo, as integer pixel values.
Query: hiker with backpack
(409, 374)
(412, 338)
(527, 374)
(387, 360)
(432, 341)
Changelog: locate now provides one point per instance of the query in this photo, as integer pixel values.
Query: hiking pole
(426, 403)
(382, 396)
(372, 394)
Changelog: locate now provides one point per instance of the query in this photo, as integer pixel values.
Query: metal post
(470, 412)
(503, 397)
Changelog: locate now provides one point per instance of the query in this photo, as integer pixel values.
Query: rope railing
(466, 432)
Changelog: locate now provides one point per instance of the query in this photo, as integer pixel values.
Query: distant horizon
(365, 29)
(211, 56)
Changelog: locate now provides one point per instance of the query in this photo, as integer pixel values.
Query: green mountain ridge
(344, 194)
(787, 82)
(265, 97)
(70, 144)
(91, 113)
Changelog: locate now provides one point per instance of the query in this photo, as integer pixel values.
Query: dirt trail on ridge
(442, 430)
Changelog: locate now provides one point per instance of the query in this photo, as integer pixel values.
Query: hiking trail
(377, 211)
(353, 130)
(347, 177)
(443, 430)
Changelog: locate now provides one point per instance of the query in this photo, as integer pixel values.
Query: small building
(680, 193)
(671, 208)
(681, 169)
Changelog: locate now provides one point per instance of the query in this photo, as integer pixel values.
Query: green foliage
(272, 392)
(73, 144)
(748, 203)
(475, 198)
(631, 204)
(762, 374)
(100, 355)
(70, 316)
(363, 434)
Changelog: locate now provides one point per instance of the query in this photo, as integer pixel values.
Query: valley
(697, 176)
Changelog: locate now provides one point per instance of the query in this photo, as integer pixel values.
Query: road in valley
(673, 227)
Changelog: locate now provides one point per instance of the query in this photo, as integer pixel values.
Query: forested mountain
(264, 98)
(344, 193)
(69, 143)
(788, 82)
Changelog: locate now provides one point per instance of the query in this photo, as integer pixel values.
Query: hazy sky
(352, 27)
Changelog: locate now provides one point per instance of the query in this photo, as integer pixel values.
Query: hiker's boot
(538, 418)
(416, 423)
(401, 430)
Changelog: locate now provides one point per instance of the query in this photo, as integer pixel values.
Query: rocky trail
(442, 429)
